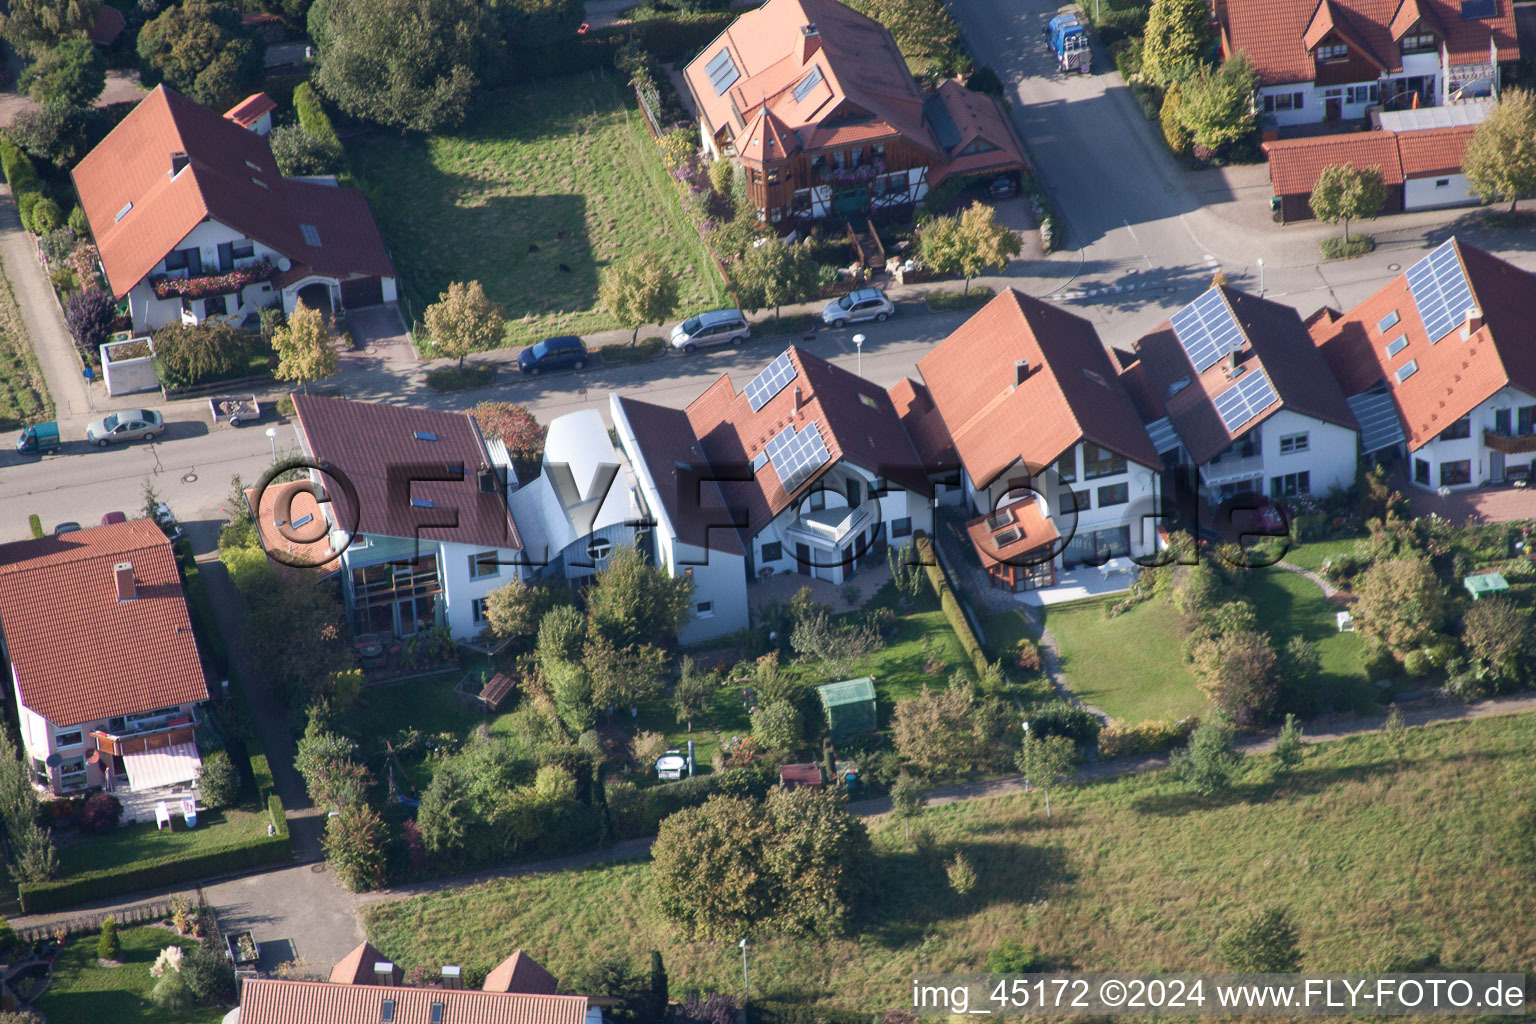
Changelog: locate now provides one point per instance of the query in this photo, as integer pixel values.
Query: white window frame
(1291, 444)
(60, 737)
(704, 609)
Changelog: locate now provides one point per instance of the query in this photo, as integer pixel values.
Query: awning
(167, 766)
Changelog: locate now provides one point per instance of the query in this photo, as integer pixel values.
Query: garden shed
(850, 706)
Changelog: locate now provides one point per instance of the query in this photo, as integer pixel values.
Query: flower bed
(211, 284)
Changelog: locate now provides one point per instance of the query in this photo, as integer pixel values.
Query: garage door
(361, 291)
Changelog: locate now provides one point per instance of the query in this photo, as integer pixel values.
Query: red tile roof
(276, 1001)
(356, 968)
(1021, 528)
(856, 420)
(1433, 151)
(1275, 33)
(109, 24)
(977, 116)
(1071, 393)
(1275, 341)
(80, 654)
(1295, 164)
(520, 973)
(862, 72)
(249, 110)
(676, 464)
(138, 212)
(1455, 375)
(376, 446)
(924, 425)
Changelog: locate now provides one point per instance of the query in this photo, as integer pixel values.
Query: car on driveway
(717, 327)
(113, 517)
(863, 304)
(560, 353)
(166, 520)
(63, 528)
(1003, 187)
(128, 425)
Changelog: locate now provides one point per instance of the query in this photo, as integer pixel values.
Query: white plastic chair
(189, 812)
(163, 816)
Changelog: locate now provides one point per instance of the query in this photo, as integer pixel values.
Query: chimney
(122, 575)
(810, 42)
(1232, 363)
(384, 973)
(799, 397)
(1474, 322)
(452, 976)
(1020, 371)
(178, 162)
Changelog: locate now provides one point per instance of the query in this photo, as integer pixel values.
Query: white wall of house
(1484, 464)
(1328, 458)
(461, 588)
(1431, 193)
(1352, 102)
(150, 312)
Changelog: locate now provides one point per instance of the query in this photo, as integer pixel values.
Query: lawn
(120, 847)
(426, 705)
(24, 395)
(1311, 556)
(1375, 859)
(1131, 666)
(1291, 605)
(546, 185)
(83, 993)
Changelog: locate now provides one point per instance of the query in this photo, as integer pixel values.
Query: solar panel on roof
(807, 83)
(722, 72)
(1379, 426)
(1207, 330)
(1244, 400)
(797, 454)
(771, 381)
(1440, 291)
(1474, 9)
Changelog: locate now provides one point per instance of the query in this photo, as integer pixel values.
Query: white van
(717, 327)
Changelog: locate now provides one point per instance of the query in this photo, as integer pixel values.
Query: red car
(113, 517)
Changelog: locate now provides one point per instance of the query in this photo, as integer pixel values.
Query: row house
(1332, 60)
(193, 221)
(816, 104)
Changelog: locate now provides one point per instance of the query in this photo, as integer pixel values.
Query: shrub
(58, 244)
(961, 874)
(1265, 943)
(1013, 957)
(63, 280)
(354, 847)
(1058, 718)
(187, 354)
(90, 313)
(1174, 132)
(26, 200)
(1028, 655)
(208, 973)
(102, 812)
(108, 946)
(1210, 761)
(218, 780)
(298, 153)
(1122, 739)
(46, 216)
(1417, 664)
(78, 222)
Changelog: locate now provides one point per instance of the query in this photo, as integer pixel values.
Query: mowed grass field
(1131, 666)
(85, 993)
(1377, 859)
(559, 173)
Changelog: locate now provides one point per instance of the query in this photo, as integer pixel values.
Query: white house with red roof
(254, 113)
(805, 470)
(193, 221)
(1331, 60)
(104, 666)
(1441, 363)
(1055, 468)
(1231, 386)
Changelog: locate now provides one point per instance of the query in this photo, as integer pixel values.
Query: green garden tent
(850, 706)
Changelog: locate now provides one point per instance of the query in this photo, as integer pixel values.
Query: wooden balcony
(1510, 445)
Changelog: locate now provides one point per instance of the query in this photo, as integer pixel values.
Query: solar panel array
(1472, 10)
(722, 72)
(1207, 330)
(771, 381)
(1440, 291)
(1379, 426)
(1245, 400)
(797, 454)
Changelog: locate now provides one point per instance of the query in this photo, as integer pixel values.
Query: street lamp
(746, 986)
(272, 436)
(1261, 277)
(858, 343)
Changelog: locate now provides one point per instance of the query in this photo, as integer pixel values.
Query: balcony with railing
(829, 526)
(178, 284)
(1230, 470)
(1509, 444)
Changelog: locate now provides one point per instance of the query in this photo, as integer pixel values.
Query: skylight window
(253, 166)
(722, 72)
(123, 212)
(422, 503)
(808, 83)
(311, 235)
(387, 1012)
(424, 435)
(261, 184)
(437, 1013)
(1407, 370)
(1396, 345)
(1387, 322)
(869, 401)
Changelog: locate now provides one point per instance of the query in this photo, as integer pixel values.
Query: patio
(1083, 582)
(781, 586)
(1496, 504)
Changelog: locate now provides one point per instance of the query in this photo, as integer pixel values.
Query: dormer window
(1419, 41)
(1333, 51)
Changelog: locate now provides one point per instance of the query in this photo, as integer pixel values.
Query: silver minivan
(717, 327)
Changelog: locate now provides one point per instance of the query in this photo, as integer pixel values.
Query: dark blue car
(553, 354)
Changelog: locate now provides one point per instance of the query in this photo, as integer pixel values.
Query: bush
(1334, 248)
(1122, 739)
(78, 222)
(58, 244)
(298, 153)
(188, 354)
(218, 780)
(1417, 664)
(1058, 718)
(209, 975)
(108, 946)
(46, 216)
(90, 314)
(26, 199)
(641, 812)
(102, 812)
(1013, 957)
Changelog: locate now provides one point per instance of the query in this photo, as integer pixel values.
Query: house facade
(1230, 386)
(1054, 467)
(104, 667)
(815, 103)
(1336, 59)
(1441, 360)
(806, 470)
(193, 221)
(423, 533)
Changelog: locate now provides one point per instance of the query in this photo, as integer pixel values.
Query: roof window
(1396, 345)
(123, 212)
(311, 235)
(253, 166)
(422, 503)
(261, 184)
(387, 1011)
(1387, 322)
(424, 435)
(1407, 370)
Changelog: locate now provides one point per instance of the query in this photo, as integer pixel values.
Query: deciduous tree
(1500, 160)
(1345, 193)
(622, 676)
(71, 74)
(409, 64)
(969, 243)
(464, 320)
(820, 637)
(638, 291)
(1236, 670)
(1400, 603)
(35, 26)
(516, 609)
(1047, 762)
(1178, 32)
(908, 798)
(536, 24)
(777, 726)
(820, 857)
(692, 693)
(516, 428)
(634, 602)
(305, 347)
(89, 312)
(935, 733)
(201, 50)
(707, 874)
(299, 153)
(775, 273)
(1498, 633)
(1208, 764)
(1216, 105)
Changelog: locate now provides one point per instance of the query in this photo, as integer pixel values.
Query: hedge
(26, 189)
(764, 1011)
(312, 116)
(650, 806)
(173, 869)
(677, 38)
(950, 605)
